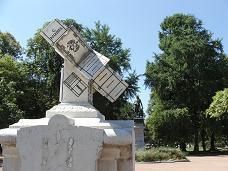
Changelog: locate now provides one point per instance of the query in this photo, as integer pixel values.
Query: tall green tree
(219, 105)
(11, 77)
(217, 111)
(167, 125)
(218, 116)
(190, 68)
(174, 121)
(9, 45)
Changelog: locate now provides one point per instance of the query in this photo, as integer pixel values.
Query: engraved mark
(75, 84)
(72, 45)
(58, 137)
(45, 142)
(69, 159)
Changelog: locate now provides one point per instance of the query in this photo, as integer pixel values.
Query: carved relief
(73, 45)
(75, 84)
(58, 137)
(44, 152)
(69, 159)
(45, 142)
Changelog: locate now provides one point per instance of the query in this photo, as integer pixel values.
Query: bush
(159, 154)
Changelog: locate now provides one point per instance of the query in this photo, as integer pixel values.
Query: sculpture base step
(75, 110)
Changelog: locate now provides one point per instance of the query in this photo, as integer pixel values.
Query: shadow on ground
(208, 153)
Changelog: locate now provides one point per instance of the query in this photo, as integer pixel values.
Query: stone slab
(59, 146)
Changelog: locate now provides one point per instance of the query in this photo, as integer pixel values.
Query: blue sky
(136, 22)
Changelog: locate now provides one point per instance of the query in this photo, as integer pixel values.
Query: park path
(209, 163)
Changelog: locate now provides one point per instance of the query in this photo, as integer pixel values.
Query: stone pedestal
(139, 133)
(68, 141)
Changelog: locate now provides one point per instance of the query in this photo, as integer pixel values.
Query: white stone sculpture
(73, 136)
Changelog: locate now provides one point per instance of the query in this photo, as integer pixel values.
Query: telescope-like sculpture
(90, 67)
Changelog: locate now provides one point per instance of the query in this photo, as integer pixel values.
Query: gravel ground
(210, 163)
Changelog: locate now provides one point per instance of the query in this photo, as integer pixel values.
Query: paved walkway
(211, 163)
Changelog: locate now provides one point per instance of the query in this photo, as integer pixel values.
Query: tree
(219, 105)
(110, 46)
(9, 45)
(167, 125)
(190, 68)
(174, 121)
(11, 77)
(217, 112)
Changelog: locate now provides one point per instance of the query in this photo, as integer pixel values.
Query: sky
(136, 22)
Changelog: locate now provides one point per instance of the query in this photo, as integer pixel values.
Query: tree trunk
(183, 146)
(0, 150)
(212, 142)
(196, 141)
(203, 140)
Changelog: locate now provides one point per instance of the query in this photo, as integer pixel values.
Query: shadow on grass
(207, 153)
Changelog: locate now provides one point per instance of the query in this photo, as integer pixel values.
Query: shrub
(159, 154)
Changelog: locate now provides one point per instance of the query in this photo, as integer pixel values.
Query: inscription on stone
(75, 84)
(70, 150)
(54, 32)
(73, 45)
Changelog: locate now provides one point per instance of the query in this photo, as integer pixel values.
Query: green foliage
(159, 154)
(219, 105)
(188, 71)
(190, 68)
(11, 77)
(171, 126)
(9, 45)
(126, 112)
(110, 46)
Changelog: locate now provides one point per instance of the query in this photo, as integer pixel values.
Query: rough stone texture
(66, 95)
(204, 163)
(62, 143)
(59, 146)
(75, 110)
(11, 161)
(139, 133)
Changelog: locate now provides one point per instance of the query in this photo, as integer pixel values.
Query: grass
(159, 154)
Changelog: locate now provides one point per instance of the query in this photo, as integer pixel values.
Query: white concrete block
(59, 146)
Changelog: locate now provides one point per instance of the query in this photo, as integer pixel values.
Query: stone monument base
(75, 110)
